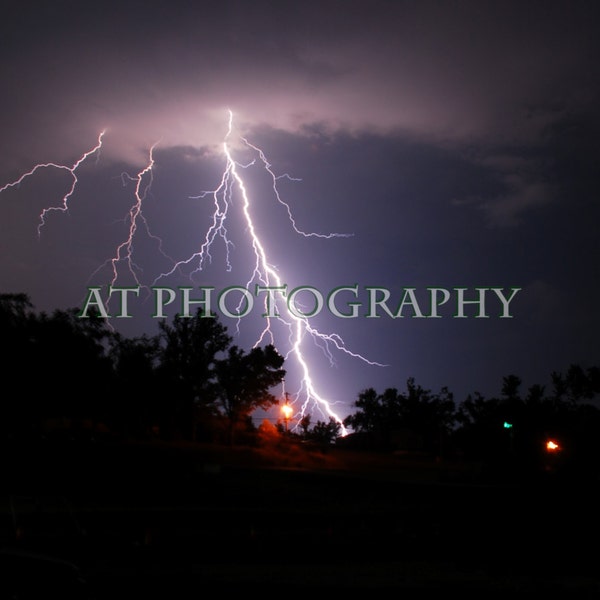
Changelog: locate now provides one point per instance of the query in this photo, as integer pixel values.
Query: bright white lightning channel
(266, 275)
(299, 329)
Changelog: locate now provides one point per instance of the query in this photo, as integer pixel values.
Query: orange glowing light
(552, 446)
(287, 411)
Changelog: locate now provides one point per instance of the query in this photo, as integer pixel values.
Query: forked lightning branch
(265, 293)
(303, 302)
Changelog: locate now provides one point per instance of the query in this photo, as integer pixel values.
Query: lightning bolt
(299, 328)
(134, 220)
(72, 170)
(124, 253)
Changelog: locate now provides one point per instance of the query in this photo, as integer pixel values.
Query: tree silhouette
(190, 349)
(244, 381)
(432, 416)
(382, 416)
(304, 424)
(135, 402)
(71, 357)
(57, 366)
(325, 432)
(17, 322)
(191, 381)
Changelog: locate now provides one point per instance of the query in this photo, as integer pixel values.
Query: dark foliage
(66, 375)
(72, 376)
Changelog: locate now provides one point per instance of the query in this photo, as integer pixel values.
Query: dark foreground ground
(111, 521)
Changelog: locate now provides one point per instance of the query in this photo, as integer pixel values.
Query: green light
(507, 425)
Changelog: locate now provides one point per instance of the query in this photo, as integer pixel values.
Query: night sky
(450, 144)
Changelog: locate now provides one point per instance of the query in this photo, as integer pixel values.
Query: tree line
(554, 429)
(189, 381)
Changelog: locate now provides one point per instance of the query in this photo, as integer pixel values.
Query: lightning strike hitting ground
(265, 274)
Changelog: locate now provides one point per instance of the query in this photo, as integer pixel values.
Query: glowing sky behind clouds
(455, 140)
